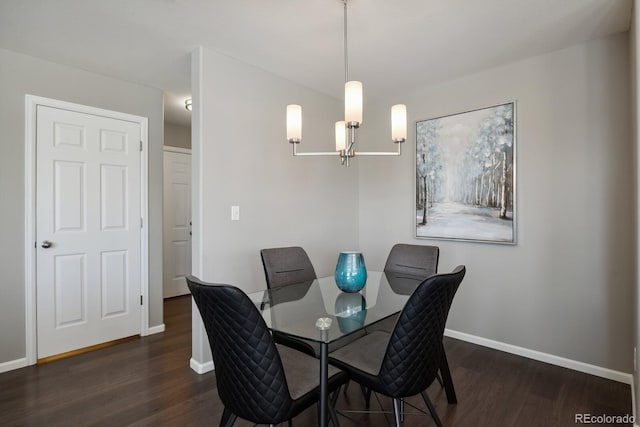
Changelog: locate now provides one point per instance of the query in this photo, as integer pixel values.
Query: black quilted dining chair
(405, 362)
(256, 379)
(291, 265)
(404, 263)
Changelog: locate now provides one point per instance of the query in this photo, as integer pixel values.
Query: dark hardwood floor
(148, 382)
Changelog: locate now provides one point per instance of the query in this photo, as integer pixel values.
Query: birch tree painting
(465, 187)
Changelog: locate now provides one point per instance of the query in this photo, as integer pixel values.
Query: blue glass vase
(351, 273)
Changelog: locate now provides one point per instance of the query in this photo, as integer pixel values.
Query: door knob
(46, 244)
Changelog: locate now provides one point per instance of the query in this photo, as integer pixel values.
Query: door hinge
(140, 145)
(141, 223)
(140, 299)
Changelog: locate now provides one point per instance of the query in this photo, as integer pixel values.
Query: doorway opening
(177, 224)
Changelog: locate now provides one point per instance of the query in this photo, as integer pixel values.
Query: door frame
(31, 104)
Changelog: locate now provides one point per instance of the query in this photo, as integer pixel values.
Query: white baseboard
(598, 371)
(155, 329)
(201, 368)
(13, 364)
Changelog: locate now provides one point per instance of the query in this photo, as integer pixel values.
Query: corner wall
(567, 287)
(241, 157)
(22, 75)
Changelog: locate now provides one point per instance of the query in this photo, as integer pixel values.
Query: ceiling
(394, 46)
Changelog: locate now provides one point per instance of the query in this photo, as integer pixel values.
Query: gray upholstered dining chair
(291, 265)
(416, 260)
(405, 362)
(285, 266)
(256, 379)
(413, 260)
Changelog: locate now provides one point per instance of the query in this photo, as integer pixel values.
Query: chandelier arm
(377, 153)
(325, 153)
(352, 138)
(350, 148)
(381, 153)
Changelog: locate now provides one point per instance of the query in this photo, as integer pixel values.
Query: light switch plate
(235, 213)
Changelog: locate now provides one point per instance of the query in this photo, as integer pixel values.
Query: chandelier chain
(346, 58)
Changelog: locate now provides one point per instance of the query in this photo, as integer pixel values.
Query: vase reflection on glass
(351, 273)
(351, 311)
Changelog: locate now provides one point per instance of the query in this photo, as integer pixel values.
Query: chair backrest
(249, 373)
(416, 260)
(415, 348)
(284, 266)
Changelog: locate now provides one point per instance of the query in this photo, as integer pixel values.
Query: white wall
(20, 75)
(567, 287)
(241, 157)
(177, 135)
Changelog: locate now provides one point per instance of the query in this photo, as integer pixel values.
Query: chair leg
(439, 378)
(290, 423)
(396, 412)
(332, 413)
(402, 409)
(446, 378)
(367, 396)
(333, 397)
(228, 418)
(346, 387)
(432, 410)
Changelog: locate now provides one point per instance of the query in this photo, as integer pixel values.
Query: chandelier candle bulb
(399, 123)
(353, 102)
(294, 123)
(341, 136)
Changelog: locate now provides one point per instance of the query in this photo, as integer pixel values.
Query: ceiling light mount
(346, 130)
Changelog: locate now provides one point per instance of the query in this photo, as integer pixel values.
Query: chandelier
(345, 131)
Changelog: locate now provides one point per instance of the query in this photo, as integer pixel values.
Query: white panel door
(88, 274)
(177, 222)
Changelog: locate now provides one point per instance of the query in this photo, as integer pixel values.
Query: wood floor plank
(148, 382)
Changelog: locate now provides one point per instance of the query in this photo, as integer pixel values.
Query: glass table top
(294, 309)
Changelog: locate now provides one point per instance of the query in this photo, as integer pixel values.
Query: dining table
(319, 311)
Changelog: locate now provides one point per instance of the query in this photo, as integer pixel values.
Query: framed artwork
(465, 176)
